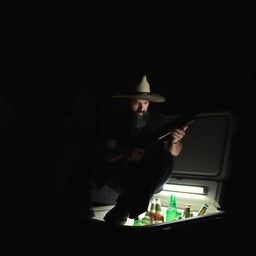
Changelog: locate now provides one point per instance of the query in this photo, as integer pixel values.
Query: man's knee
(164, 159)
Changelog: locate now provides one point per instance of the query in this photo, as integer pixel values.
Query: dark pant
(137, 182)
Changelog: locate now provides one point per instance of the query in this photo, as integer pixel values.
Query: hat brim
(153, 97)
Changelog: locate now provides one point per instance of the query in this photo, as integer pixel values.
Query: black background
(62, 61)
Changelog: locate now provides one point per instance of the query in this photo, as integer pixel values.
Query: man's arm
(111, 151)
(174, 148)
(175, 144)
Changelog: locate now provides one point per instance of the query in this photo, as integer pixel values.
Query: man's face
(139, 106)
(139, 109)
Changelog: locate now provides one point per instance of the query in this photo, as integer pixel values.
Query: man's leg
(143, 180)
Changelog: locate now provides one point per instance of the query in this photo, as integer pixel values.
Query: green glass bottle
(136, 221)
(172, 212)
(145, 220)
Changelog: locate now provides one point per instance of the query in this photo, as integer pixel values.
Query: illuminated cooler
(200, 171)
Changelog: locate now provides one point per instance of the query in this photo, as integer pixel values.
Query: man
(131, 169)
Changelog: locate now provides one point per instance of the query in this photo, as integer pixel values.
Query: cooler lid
(206, 147)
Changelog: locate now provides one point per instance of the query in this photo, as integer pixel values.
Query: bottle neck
(172, 204)
(152, 208)
(172, 200)
(158, 208)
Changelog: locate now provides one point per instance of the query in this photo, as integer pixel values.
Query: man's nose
(143, 108)
(140, 108)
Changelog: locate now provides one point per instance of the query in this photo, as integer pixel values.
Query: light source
(185, 189)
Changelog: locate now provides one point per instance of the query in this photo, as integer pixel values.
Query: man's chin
(140, 115)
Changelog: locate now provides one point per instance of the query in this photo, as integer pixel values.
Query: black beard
(139, 121)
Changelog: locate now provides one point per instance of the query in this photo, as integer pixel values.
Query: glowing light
(185, 189)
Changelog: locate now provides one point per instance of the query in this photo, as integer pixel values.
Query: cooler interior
(204, 193)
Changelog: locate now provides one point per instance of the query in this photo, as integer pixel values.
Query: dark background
(61, 62)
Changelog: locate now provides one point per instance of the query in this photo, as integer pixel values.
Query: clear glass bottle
(152, 211)
(202, 210)
(159, 218)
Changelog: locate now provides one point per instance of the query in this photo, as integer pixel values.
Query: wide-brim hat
(142, 91)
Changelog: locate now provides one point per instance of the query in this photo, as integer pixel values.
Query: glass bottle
(191, 214)
(136, 221)
(152, 211)
(158, 212)
(145, 220)
(171, 211)
(202, 210)
(187, 209)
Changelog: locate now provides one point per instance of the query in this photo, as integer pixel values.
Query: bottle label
(187, 212)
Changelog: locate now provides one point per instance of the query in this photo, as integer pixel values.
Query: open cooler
(199, 174)
(199, 177)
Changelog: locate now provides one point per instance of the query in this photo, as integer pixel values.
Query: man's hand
(135, 154)
(178, 134)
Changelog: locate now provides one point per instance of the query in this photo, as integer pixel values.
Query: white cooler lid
(206, 147)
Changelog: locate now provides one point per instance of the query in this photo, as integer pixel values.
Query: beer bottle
(191, 214)
(186, 212)
(171, 211)
(145, 220)
(152, 211)
(202, 210)
(158, 213)
(136, 221)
